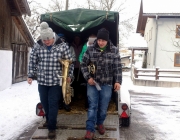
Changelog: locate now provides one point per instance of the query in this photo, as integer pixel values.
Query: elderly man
(44, 61)
(106, 60)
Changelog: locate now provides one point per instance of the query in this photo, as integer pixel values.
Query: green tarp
(79, 20)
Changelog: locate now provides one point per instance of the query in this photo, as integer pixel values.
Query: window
(177, 60)
(177, 31)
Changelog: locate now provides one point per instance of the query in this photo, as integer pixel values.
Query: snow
(18, 109)
(19, 101)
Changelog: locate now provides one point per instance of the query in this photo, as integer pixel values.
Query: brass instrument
(67, 90)
(91, 68)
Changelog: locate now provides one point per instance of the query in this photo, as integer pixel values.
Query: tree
(125, 26)
(33, 22)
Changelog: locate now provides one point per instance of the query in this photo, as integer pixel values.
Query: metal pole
(67, 2)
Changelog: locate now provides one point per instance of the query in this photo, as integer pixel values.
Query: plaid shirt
(107, 64)
(44, 63)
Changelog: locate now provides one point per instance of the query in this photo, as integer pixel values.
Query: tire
(125, 122)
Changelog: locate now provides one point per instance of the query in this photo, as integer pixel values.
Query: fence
(156, 73)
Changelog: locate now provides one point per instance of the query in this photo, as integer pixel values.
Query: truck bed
(72, 127)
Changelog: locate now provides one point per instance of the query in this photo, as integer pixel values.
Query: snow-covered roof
(137, 48)
(125, 56)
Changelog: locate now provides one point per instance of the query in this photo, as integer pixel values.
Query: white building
(162, 34)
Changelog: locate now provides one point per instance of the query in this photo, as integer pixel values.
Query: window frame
(177, 26)
(175, 57)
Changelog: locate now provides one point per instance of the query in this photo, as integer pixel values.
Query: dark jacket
(107, 64)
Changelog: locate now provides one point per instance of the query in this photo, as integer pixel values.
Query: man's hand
(29, 80)
(117, 86)
(68, 80)
(91, 81)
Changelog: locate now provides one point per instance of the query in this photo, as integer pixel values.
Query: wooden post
(135, 72)
(132, 56)
(157, 74)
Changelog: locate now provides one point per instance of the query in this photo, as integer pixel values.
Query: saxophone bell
(67, 90)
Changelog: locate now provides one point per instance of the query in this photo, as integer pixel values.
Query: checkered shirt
(45, 63)
(107, 64)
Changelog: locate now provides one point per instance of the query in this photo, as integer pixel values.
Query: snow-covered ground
(17, 105)
(17, 109)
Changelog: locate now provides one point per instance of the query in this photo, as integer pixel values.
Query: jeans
(98, 105)
(50, 96)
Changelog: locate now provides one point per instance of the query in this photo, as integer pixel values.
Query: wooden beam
(18, 6)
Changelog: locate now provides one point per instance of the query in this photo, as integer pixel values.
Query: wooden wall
(20, 54)
(16, 36)
(11, 39)
(5, 26)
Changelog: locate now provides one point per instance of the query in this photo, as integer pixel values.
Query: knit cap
(103, 34)
(46, 32)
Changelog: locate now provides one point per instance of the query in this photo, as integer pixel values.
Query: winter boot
(89, 135)
(101, 129)
(52, 134)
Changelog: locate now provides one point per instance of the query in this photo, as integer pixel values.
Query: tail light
(124, 107)
(39, 110)
(41, 113)
(124, 115)
(39, 106)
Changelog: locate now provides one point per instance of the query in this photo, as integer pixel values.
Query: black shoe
(60, 107)
(67, 108)
(52, 134)
(45, 124)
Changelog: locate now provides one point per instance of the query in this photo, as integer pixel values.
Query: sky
(18, 104)
(131, 9)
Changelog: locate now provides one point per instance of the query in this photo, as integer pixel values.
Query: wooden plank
(153, 75)
(40, 137)
(146, 70)
(82, 138)
(7, 26)
(169, 76)
(78, 127)
(166, 70)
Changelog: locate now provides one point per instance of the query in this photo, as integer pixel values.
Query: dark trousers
(78, 80)
(80, 85)
(50, 96)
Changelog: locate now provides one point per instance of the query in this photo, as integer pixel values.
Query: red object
(39, 110)
(124, 107)
(39, 106)
(124, 115)
(41, 113)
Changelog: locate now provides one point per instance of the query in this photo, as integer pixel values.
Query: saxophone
(67, 90)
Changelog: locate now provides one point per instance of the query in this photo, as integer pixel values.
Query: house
(141, 52)
(15, 41)
(125, 61)
(160, 27)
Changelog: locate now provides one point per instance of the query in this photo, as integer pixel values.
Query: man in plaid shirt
(108, 69)
(44, 62)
